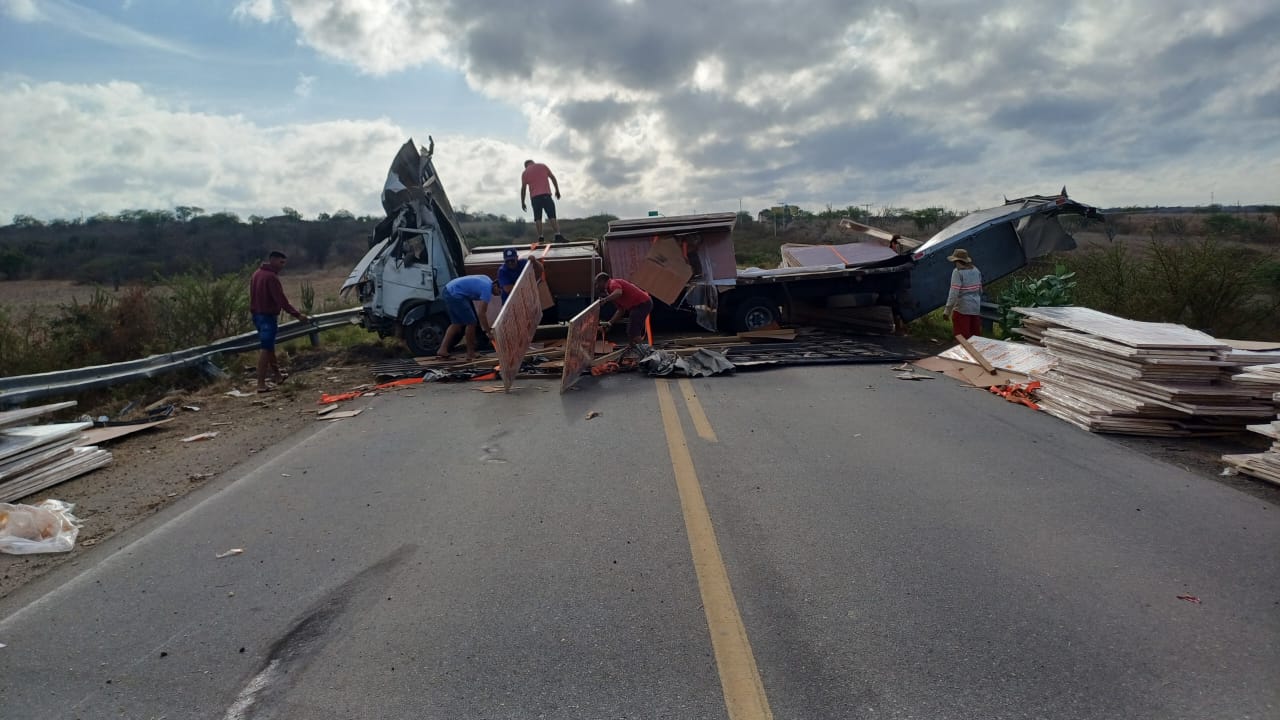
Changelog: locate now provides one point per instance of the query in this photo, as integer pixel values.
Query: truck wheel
(424, 336)
(756, 312)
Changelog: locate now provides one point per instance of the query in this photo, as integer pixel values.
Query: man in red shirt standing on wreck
(266, 300)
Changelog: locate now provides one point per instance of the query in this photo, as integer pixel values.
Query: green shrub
(1055, 290)
(200, 308)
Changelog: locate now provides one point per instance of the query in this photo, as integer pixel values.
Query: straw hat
(960, 256)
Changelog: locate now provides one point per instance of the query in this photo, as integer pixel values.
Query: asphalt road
(801, 543)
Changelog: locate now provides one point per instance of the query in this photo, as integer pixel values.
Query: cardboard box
(664, 272)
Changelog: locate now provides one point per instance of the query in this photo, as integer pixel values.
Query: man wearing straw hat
(964, 302)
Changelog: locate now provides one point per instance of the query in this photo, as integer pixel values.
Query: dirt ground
(153, 469)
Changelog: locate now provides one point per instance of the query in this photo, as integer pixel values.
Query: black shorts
(543, 203)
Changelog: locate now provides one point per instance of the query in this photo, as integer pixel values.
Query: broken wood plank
(973, 353)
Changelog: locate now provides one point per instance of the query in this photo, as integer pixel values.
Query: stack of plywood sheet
(1137, 378)
(1263, 465)
(34, 457)
(1264, 380)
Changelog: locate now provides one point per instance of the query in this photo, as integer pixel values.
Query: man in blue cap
(511, 268)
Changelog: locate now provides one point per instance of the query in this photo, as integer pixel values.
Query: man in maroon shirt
(630, 300)
(266, 300)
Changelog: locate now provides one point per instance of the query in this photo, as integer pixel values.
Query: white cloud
(82, 149)
(260, 10)
(21, 10)
(89, 23)
(305, 83)
(952, 103)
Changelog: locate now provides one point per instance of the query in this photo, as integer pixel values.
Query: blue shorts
(266, 325)
(461, 310)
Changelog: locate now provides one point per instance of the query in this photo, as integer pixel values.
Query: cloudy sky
(249, 106)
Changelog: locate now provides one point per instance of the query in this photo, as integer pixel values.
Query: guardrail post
(209, 368)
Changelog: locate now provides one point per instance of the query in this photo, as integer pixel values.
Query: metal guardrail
(20, 389)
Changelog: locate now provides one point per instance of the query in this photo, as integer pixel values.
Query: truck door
(408, 274)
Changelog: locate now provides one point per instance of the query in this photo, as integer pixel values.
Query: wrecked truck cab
(415, 251)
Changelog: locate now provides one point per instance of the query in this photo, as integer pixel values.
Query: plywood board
(1015, 357)
(21, 416)
(516, 325)
(1127, 332)
(664, 272)
(580, 345)
(98, 436)
(14, 441)
(80, 461)
(975, 354)
(25, 463)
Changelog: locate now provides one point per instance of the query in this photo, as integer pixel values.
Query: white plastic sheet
(45, 528)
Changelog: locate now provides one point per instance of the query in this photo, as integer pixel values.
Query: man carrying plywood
(630, 300)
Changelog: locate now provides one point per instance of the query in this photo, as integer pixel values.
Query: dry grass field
(46, 296)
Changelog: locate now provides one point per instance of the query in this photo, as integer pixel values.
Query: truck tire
(424, 336)
(755, 312)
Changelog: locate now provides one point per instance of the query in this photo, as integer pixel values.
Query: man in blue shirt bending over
(510, 269)
(467, 299)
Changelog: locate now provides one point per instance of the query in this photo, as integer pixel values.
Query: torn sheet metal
(702, 363)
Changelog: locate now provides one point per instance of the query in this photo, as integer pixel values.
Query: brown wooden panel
(580, 345)
(516, 324)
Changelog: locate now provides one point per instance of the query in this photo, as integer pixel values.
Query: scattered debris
(237, 393)
(229, 553)
(192, 408)
(1189, 598)
(592, 414)
(202, 436)
(326, 410)
(197, 477)
(1020, 393)
(341, 415)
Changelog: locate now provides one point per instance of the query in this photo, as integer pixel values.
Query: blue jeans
(267, 326)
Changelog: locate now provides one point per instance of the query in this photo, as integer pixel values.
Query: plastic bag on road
(45, 528)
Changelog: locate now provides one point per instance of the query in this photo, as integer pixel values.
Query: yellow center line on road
(700, 421)
(744, 695)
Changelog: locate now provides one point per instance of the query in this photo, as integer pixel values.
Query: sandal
(266, 390)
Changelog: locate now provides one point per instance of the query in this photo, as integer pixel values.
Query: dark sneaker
(560, 238)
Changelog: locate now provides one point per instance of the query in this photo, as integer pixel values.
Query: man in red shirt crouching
(630, 301)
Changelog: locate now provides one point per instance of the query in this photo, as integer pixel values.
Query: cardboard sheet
(969, 372)
(664, 272)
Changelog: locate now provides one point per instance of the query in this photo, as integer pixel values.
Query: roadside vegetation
(168, 314)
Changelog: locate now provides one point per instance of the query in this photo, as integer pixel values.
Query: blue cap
(509, 254)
